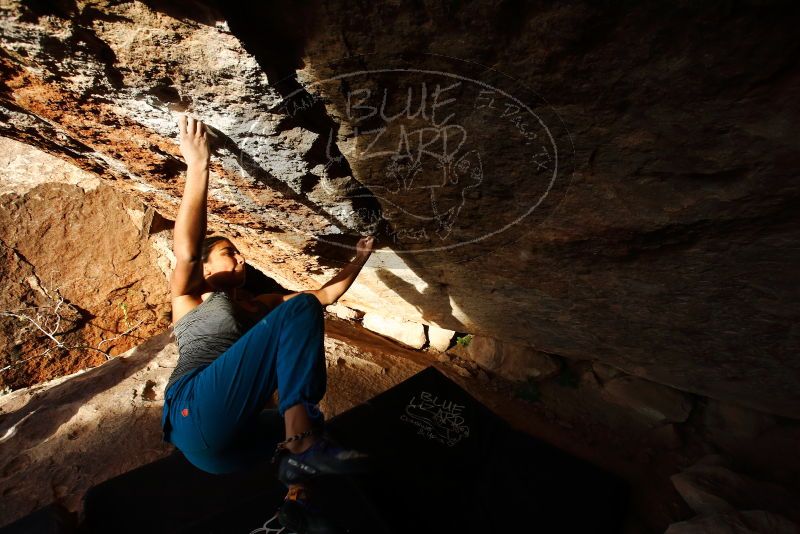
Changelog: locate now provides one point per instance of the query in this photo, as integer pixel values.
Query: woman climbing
(226, 373)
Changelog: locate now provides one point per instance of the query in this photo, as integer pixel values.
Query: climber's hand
(364, 246)
(194, 142)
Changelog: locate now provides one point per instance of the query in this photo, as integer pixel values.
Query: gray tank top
(204, 333)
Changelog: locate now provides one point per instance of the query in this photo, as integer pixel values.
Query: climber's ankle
(300, 445)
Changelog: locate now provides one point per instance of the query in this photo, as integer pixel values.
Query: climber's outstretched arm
(190, 224)
(336, 286)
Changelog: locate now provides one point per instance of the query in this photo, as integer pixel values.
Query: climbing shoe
(299, 515)
(322, 458)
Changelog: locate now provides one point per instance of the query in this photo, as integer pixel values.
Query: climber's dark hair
(208, 242)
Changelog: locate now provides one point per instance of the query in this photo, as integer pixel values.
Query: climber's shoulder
(187, 279)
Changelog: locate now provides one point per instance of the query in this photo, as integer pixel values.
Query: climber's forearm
(190, 224)
(339, 284)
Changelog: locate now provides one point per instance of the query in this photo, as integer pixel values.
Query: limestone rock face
(665, 244)
(633, 205)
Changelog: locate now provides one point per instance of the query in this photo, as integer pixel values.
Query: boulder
(709, 487)
(63, 436)
(605, 372)
(440, 338)
(81, 260)
(734, 422)
(512, 361)
(666, 436)
(749, 522)
(343, 312)
(654, 402)
(405, 332)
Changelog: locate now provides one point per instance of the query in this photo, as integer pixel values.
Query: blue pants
(215, 414)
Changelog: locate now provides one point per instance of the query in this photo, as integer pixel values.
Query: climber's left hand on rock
(364, 246)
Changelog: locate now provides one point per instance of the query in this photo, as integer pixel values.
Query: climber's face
(225, 267)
